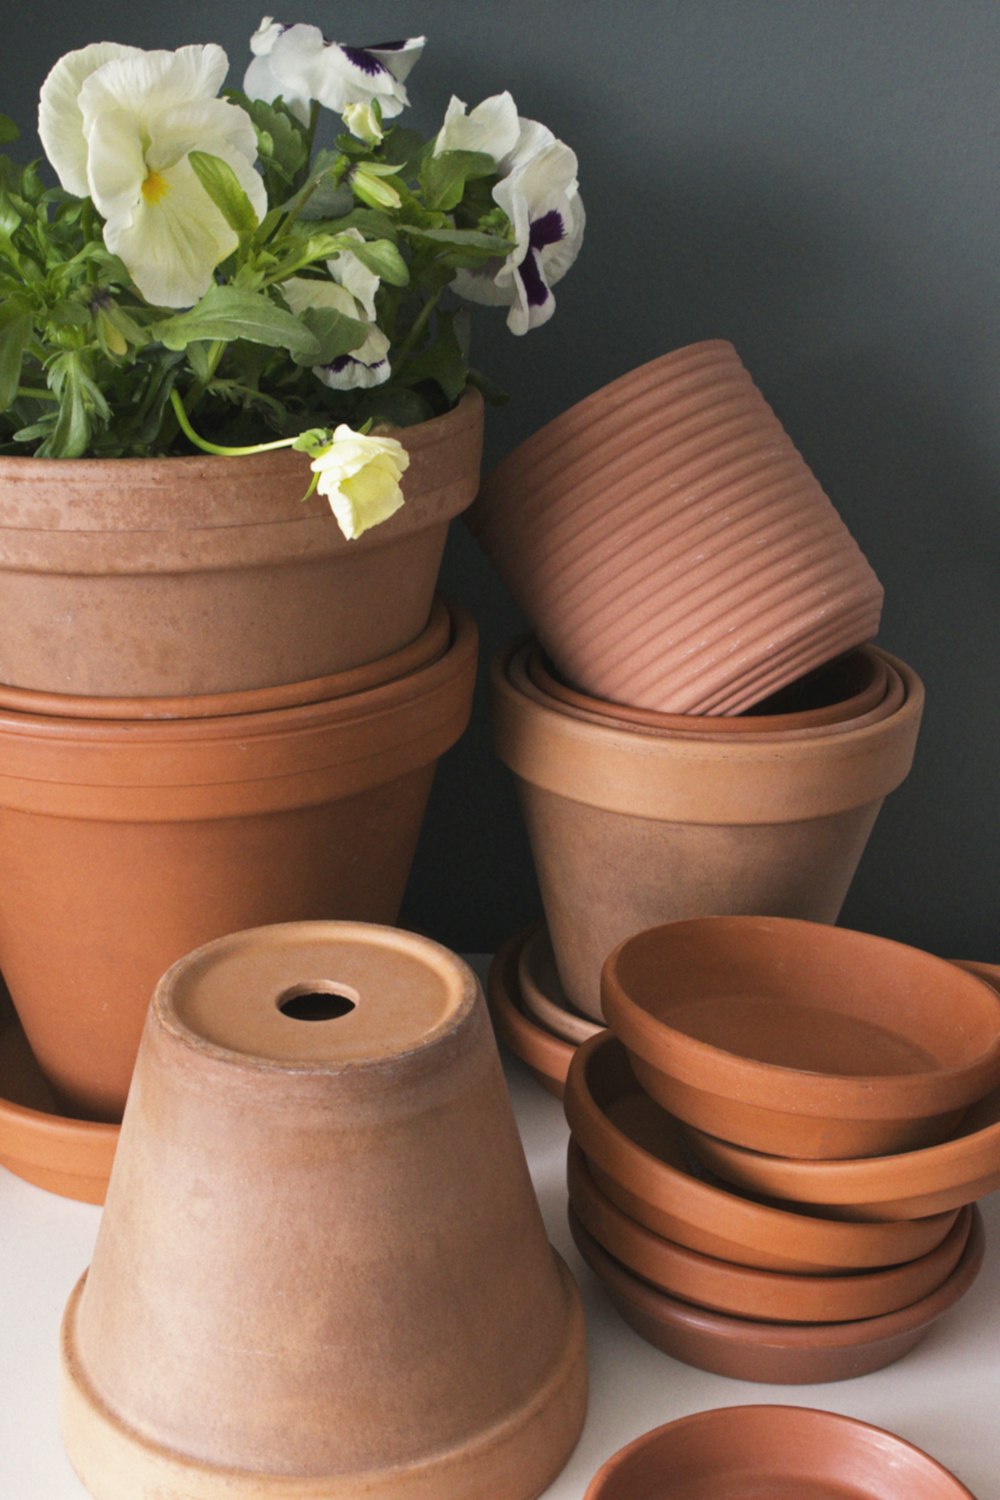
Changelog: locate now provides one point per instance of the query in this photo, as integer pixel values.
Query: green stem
(37, 392)
(208, 447)
(419, 324)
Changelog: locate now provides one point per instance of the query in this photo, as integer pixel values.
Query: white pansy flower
(297, 63)
(131, 125)
(352, 292)
(359, 475)
(542, 201)
(495, 128)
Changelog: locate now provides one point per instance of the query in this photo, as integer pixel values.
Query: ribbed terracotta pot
(179, 576)
(321, 1271)
(670, 546)
(630, 829)
(126, 844)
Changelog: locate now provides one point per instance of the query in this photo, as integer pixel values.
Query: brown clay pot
(126, 844)
(839, 693)
(745, 1291)
(183, 576)
(801, 1039)
(321, 1270)
(630, 829)
(542, 995)
(637, 1157)
(670, 546)
(780, 1451)
(776, 1353)
(547, 1055)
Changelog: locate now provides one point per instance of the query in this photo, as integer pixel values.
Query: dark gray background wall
(816, 180)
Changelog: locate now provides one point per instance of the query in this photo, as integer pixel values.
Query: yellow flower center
(154, 188)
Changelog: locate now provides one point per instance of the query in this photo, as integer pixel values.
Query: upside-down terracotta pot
(669, 544)
(128, 843)
(630, 829)
(181, 576)
(321, 1271)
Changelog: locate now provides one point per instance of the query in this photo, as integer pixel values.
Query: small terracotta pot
(745, 1291)
(777, 1353)
(778, 1450)
(801, 1039)
(636, 1155)
(126, 844)
(630, 829)
(837, 692)
(321, 1269)
(181, 576)
(668, 543)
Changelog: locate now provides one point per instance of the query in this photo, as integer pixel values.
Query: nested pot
(630, 829)
(126, 843)
(181, 576)
(321, 1270)
(669, 544)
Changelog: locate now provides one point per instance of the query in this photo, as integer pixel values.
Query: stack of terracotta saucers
(778, 1146)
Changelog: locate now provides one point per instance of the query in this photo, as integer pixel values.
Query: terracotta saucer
(638, 1158)
(776, 1296)
(548, 1056)
(542, 995)
(54, 1151)
(776, 1353)
(783, 1452)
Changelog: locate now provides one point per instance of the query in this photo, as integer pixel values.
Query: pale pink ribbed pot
(671, 547)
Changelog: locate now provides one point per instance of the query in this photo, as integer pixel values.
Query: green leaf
(8, 131)
(71, 433)
(381, 258)
(15, 334)
(10, 219)
(223, 187)
(335, 334)
(200, 361)
(228, 314)
(445, 361)
(282, 139)
(443, 177)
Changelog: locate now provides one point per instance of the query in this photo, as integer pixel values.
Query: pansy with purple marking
(350, 290)
(299, 64)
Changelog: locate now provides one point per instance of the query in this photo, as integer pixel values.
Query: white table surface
(943, 1396)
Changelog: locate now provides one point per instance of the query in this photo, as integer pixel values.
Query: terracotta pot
(630, 829)
(637, 1157)
(777, 1353)
(542, 996)
(668, 543)
(126, 844)
(430, 644)
(747, 1292)
(182, 576)
(321, 1270)
(776, 1450)
(800, 1039)
(547, 1055)
(840, 691)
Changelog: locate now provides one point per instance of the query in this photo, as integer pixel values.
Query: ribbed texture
(670, 546)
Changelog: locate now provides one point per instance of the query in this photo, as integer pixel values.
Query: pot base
(515, 1460)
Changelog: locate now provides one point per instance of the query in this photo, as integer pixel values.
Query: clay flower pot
(182, 576)
(630, 829)
(778, 1450)
(128, 843)
(547, 1055)
(669, 545)
(801, 1039)
(542, 995)
(321, 1270)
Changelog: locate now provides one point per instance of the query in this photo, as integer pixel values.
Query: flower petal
(359, 475)
(60, 120)
(492, 127)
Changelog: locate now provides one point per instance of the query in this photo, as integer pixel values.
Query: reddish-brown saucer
(548, 1056)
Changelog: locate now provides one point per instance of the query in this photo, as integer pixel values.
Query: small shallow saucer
(542, 995)
(776, 1353)
(783, 1452)
(53, 1151)
(548, 1056)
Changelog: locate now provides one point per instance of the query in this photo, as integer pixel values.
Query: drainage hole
(316, 1005)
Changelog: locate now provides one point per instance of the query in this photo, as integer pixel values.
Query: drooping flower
(359, 475)
(122, 125)
(352, 292)
(299, 64)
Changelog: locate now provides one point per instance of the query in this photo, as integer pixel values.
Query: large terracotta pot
(669, 544)
(631, 829)
(321, 1271)
(155, 577)
(126, 844)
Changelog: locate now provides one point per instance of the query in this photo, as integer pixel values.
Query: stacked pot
(231, 716)
(778, 1144)
(699, 726)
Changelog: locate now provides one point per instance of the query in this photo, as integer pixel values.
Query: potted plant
(208, 275)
